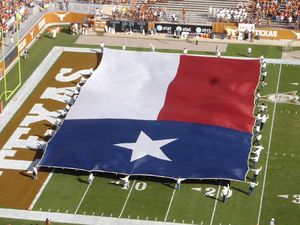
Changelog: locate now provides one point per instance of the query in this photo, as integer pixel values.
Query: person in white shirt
(254, 160)
(262, 108)
(185, 51)
(257, 139)
(263, 120)
(272, 222)
(34, 172)
(152, 47)
(263, 76)
(101, 47)
(126, 182)
(249, 51)
(264, 67)
(178, 183)
(257, 97)
(262, 59)
(252, 185)
(225, 193)
(255, 174)
(91, 178)
(258, 150)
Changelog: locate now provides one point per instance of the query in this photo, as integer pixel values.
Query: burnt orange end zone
(17, 188)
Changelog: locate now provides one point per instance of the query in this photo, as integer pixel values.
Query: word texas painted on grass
(36, 114)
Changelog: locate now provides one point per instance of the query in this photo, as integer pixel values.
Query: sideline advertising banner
(170, 28)
(277, 34)
(125, 26)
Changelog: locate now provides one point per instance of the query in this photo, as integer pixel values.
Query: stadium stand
(275, 13)
(10, 11)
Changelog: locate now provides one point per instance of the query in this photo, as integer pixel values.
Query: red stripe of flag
(214, 91)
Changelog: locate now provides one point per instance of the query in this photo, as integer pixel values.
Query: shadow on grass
(243, 55)
(25, 174)
(239, 190)
(81, 180)
(170, 185)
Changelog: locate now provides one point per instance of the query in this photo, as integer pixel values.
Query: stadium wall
(33, 33)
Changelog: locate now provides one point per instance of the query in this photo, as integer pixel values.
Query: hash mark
(57, 211)
(84, 213)
(40, 209)
(220, 224)
(67, 211)
(292, 155)
(296, 112)
(49, 210)
(182, 221)
(283, 154)
(138, 217)
(155, 218)
(276, 153)
(111, 215)
(102, 214)
(192, 221)
(147, 218)
(128, 217)
(201, 223)
(93, 213)
(174, 220)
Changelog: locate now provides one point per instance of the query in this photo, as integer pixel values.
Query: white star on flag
(144, 146)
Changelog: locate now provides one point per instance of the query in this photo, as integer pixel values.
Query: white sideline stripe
(169, 207)
(268, 153)
(83, 197)
(24, 92)
(41, 190)
(126, 199)
(215, 206)
(75, 218)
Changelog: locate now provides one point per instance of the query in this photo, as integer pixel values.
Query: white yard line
(169, 207)
(41, 190)
(126, 199)
(268, 152)
(83, 198)
(215, 206)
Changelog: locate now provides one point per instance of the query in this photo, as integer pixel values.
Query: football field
(200, 201)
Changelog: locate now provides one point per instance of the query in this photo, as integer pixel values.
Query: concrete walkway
(75, 219)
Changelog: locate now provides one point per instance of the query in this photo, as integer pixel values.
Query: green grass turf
(103, 198)
(65, 191)
(158, 194)
(192, 206)
(62, 193)
(257, 50)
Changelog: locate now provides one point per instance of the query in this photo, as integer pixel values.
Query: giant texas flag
(158, 114)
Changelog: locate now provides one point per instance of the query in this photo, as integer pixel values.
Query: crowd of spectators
(275, 10)
(121, 1)
(139, 12)
(12, 11)
(238, 14)
(287, 11)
